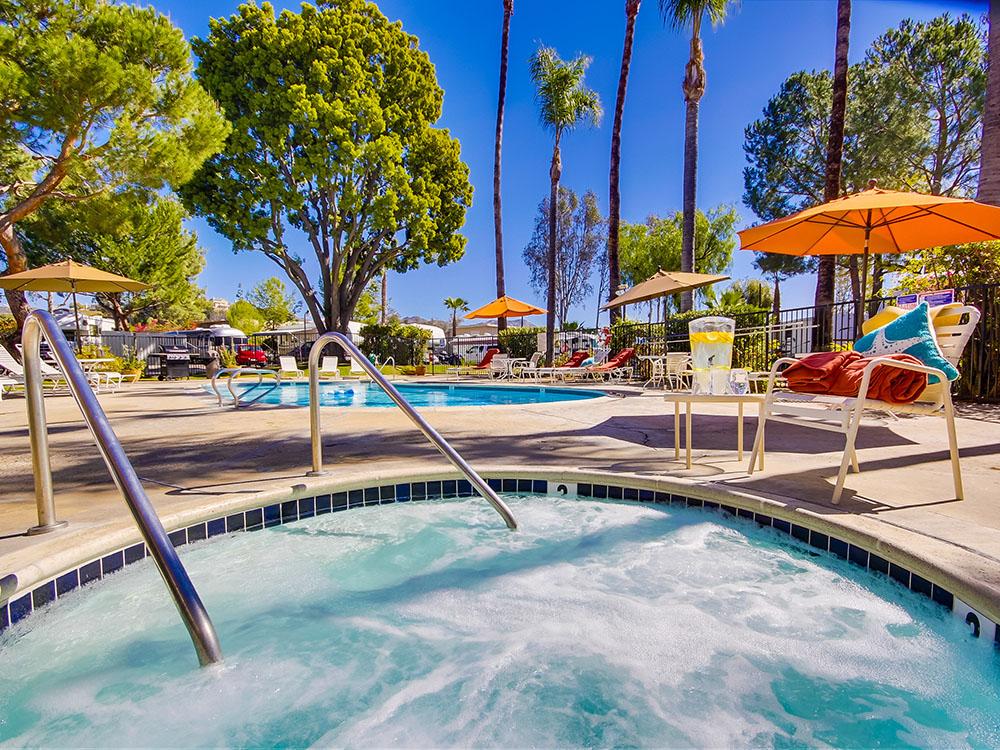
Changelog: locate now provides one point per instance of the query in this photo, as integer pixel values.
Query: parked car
(250, 356)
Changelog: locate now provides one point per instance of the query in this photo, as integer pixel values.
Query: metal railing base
(46, 528)
(312, 473)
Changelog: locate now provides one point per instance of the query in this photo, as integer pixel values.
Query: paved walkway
(192, 453)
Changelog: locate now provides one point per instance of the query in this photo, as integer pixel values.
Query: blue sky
(746, 60)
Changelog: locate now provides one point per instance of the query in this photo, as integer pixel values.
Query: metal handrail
(235, 372)
(390, 390)
(41, 324)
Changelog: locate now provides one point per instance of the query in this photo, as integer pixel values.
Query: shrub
(520, 342)
(406, 344)
(227, 357)
(8, 329)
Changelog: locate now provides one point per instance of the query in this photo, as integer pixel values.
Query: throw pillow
(910, 334)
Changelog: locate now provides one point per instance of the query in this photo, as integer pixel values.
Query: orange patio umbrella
(70, 277)
(876, 221)
(506, 307)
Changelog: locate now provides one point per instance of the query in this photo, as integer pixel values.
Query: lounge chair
(843, 414)
(570, 367)
(330, 366)
(288, 366)
(15, 371)
(483, 368)
(616, 368)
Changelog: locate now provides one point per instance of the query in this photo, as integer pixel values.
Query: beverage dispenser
(711, 354)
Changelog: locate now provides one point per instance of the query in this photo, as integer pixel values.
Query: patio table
(688, 399)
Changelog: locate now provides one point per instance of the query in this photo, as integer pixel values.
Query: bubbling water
(430, 624)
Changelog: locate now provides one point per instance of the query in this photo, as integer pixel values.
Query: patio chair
(330, 366)
(617, 368)
(569, 368)
(677, 370)
(16, 371)
(483, 368)
(499, 367)
(528, 369)
(288, 366)
(843, 414)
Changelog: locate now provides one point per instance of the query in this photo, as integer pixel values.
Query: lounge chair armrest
(776, 368)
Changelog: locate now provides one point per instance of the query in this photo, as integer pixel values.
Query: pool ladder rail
(234, 373)
(38, 325)
(390, 390)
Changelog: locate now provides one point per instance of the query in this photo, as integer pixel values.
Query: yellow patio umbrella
(662, 284)
(505, 307)
(876, 221)
(70, 277)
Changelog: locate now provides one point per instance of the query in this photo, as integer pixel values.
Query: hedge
(406, 344)
(520, 342)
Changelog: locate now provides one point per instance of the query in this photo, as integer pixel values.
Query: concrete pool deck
(194, 456)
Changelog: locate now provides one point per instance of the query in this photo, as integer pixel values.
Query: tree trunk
(17, 261)
(614, 173)
(508, 10)
(694, 88)
(776, 303)
(555, 171)
(989, 166)
(385, 296)
(454, 322)
(827, 271)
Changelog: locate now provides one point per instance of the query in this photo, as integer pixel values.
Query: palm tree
(614, 196)
(456, 305)
(989, 168)
(827, 269)
(508, 11)
(564, 102)
(683, 14)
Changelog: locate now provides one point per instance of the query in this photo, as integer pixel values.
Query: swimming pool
(368, 394)
(429, 624)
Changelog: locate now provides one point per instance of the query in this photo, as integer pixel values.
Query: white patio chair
(14, 369)
(288, 366)
(528, 369)
(330, 366)
(677, 370)
(499, 367)
(843, 414)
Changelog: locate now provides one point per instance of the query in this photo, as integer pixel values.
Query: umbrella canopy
(662, 284)
(505, 307)
(69, 277)
(876, 221)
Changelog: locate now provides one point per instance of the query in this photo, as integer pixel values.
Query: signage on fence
(933, 299)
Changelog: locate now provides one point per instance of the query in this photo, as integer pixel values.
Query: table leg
(677, 430)
(739, 431)
(687, 433)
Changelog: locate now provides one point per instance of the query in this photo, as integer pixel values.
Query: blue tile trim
(16, 609)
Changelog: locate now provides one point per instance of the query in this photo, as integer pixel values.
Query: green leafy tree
(271, 298)
(778, 267)
(564, 101)
(94, 97)
(684, 14)
(912, 123)
(752, 292)
(656, 244)
(132, 234)
(580, 235)
(245, 316)
(333, 146)
(950, 267)
(456, 305)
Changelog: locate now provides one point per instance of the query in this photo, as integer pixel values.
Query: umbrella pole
(862, 311)
(76, 315)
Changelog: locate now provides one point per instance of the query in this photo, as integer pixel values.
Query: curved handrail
(390, 390)
(41, 324)
(235, 372)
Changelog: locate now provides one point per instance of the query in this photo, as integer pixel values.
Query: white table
(95, 376)
(693, 398)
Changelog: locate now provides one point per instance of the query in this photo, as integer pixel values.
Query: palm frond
(562, 96)
(681, 13)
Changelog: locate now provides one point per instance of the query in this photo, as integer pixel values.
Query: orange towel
(840, 373)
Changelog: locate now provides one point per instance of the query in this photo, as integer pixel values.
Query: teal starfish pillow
(910, 334)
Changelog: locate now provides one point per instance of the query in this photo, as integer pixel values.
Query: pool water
(429, 624)
(365, 393)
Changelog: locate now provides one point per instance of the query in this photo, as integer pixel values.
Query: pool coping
(31, 577)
